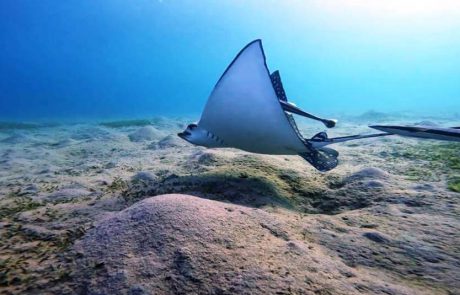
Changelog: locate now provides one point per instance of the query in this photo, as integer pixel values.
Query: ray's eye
(192, 126)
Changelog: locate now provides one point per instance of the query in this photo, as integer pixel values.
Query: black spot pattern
(278, 85)
(215, 138)
(323, 159)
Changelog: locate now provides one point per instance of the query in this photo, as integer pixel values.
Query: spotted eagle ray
(248, 109)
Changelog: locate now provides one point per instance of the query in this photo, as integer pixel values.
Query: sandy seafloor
(77, 217)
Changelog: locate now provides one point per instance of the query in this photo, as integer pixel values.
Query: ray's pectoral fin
(323, 159)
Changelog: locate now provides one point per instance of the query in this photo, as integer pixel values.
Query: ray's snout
(184, 134)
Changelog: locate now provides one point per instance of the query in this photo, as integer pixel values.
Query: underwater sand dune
(187, 245)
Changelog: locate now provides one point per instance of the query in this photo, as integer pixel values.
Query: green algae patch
(439, 155)
(447, 155)
(427, 161)
(244, 189)
(421, 174)
(445, 158)
(13, 205)
(31, 263)
(125, 123)
(245, 180)
(454, 184)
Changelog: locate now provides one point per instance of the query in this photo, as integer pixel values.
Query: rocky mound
(368, 173)
(146, 133)
(179, 244)
(170, 141)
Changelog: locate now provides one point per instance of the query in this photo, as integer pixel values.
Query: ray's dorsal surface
(244, 110)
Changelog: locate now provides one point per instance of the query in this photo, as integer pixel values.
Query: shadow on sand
(283, 190)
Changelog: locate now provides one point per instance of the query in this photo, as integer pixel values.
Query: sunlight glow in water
(118, 58)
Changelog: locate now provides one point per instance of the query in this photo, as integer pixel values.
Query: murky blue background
(79, 59)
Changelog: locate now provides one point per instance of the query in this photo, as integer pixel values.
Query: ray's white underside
(244, 111)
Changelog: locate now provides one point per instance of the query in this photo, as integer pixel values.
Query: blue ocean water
(86, 59)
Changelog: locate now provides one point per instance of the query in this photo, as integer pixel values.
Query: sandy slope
(184, 244)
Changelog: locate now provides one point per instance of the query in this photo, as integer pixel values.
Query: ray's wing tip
(256, 41)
